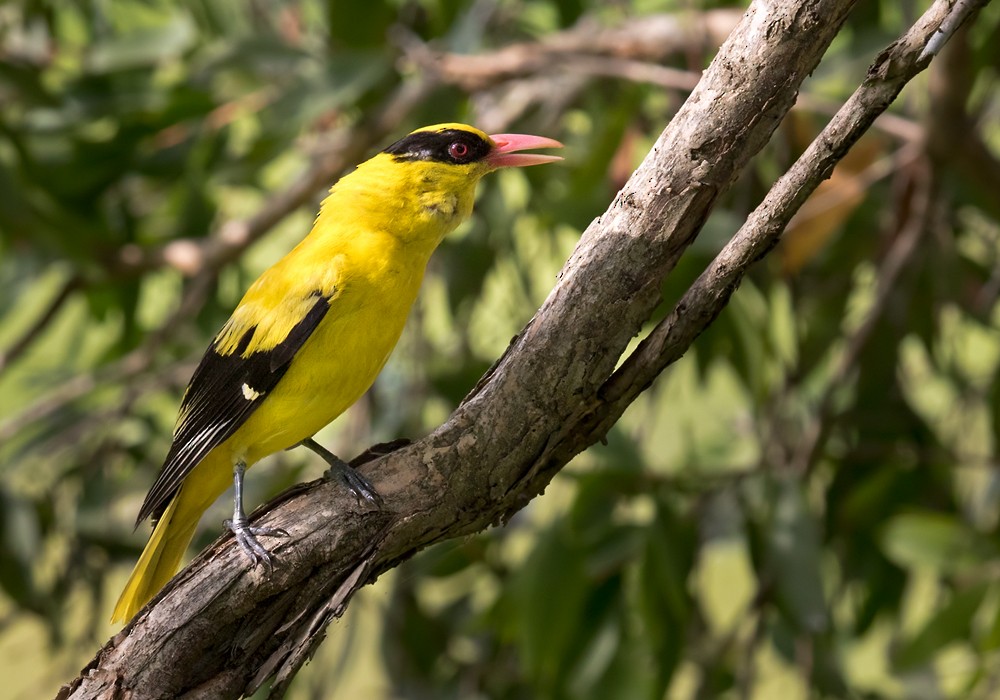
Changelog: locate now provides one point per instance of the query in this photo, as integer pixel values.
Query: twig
(286, 661)
(888, 123)
(963, 8)
(131, 365)
(528, 61)
(950, 85)
(881, 168)
(74, 388)
(746, 673)
(954, 137)
(633, 71)
(895, 261)
(17, 348)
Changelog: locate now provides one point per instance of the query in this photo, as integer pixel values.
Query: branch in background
(950, 85)
(634, 71)
(124, 369)
(953, 134)
(612, 52)
(900, 255)
(17, 348)
(631, 51)
(75, 388)
(885, 166)
(217, 119)
(955, 141)
(651, 38)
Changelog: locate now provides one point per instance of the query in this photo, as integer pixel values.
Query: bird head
(423, 185)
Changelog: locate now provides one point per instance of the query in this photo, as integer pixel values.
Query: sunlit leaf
(950, 623)
(549, 592)
(932, 540)
(789, 556)
(664, 602)
(142, 48)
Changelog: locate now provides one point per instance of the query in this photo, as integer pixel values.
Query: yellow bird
(312, 333)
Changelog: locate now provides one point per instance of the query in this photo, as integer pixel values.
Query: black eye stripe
(436, 146)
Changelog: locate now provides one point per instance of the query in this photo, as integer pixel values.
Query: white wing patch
(249, 393)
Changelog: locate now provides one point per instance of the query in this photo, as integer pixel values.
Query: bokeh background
(806, 505)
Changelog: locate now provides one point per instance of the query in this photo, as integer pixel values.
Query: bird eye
(458, 150)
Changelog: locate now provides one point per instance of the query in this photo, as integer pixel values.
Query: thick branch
(219, 629)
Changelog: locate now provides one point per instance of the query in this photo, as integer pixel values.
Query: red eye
(458, 150)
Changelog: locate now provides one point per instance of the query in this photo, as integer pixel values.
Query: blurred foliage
(805, 506)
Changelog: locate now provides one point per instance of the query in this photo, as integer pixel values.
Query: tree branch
(220, 629)
(650, 38)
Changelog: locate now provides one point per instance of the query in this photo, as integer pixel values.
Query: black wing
(224, 391)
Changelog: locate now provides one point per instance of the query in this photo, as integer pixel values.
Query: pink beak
(505, 153)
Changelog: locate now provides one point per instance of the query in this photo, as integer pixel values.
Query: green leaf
(616, 665)
(951, 623)
(358, 23)
(931, 540)
(415, 638)
(594, 657)
(449, 558)
(548, 594)
(19, 544)
(991, 640)
(789, 556)
(25, 83)
(143, 48)
(664, 603)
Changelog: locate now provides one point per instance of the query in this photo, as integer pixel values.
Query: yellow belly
(331, 371)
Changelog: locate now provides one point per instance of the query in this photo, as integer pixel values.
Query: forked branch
(221, 630)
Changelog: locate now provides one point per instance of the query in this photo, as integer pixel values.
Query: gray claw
(246, 537)
(359, 485)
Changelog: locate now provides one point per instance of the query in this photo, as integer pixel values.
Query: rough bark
(222, 630)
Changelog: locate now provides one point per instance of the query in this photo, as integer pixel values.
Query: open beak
(505, 154)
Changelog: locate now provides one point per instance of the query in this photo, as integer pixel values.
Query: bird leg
(246, 534)
(359, 485)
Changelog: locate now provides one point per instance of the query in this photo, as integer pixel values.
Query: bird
(311, 334)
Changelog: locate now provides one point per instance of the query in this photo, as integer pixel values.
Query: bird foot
(246, 537)
(359, 485)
